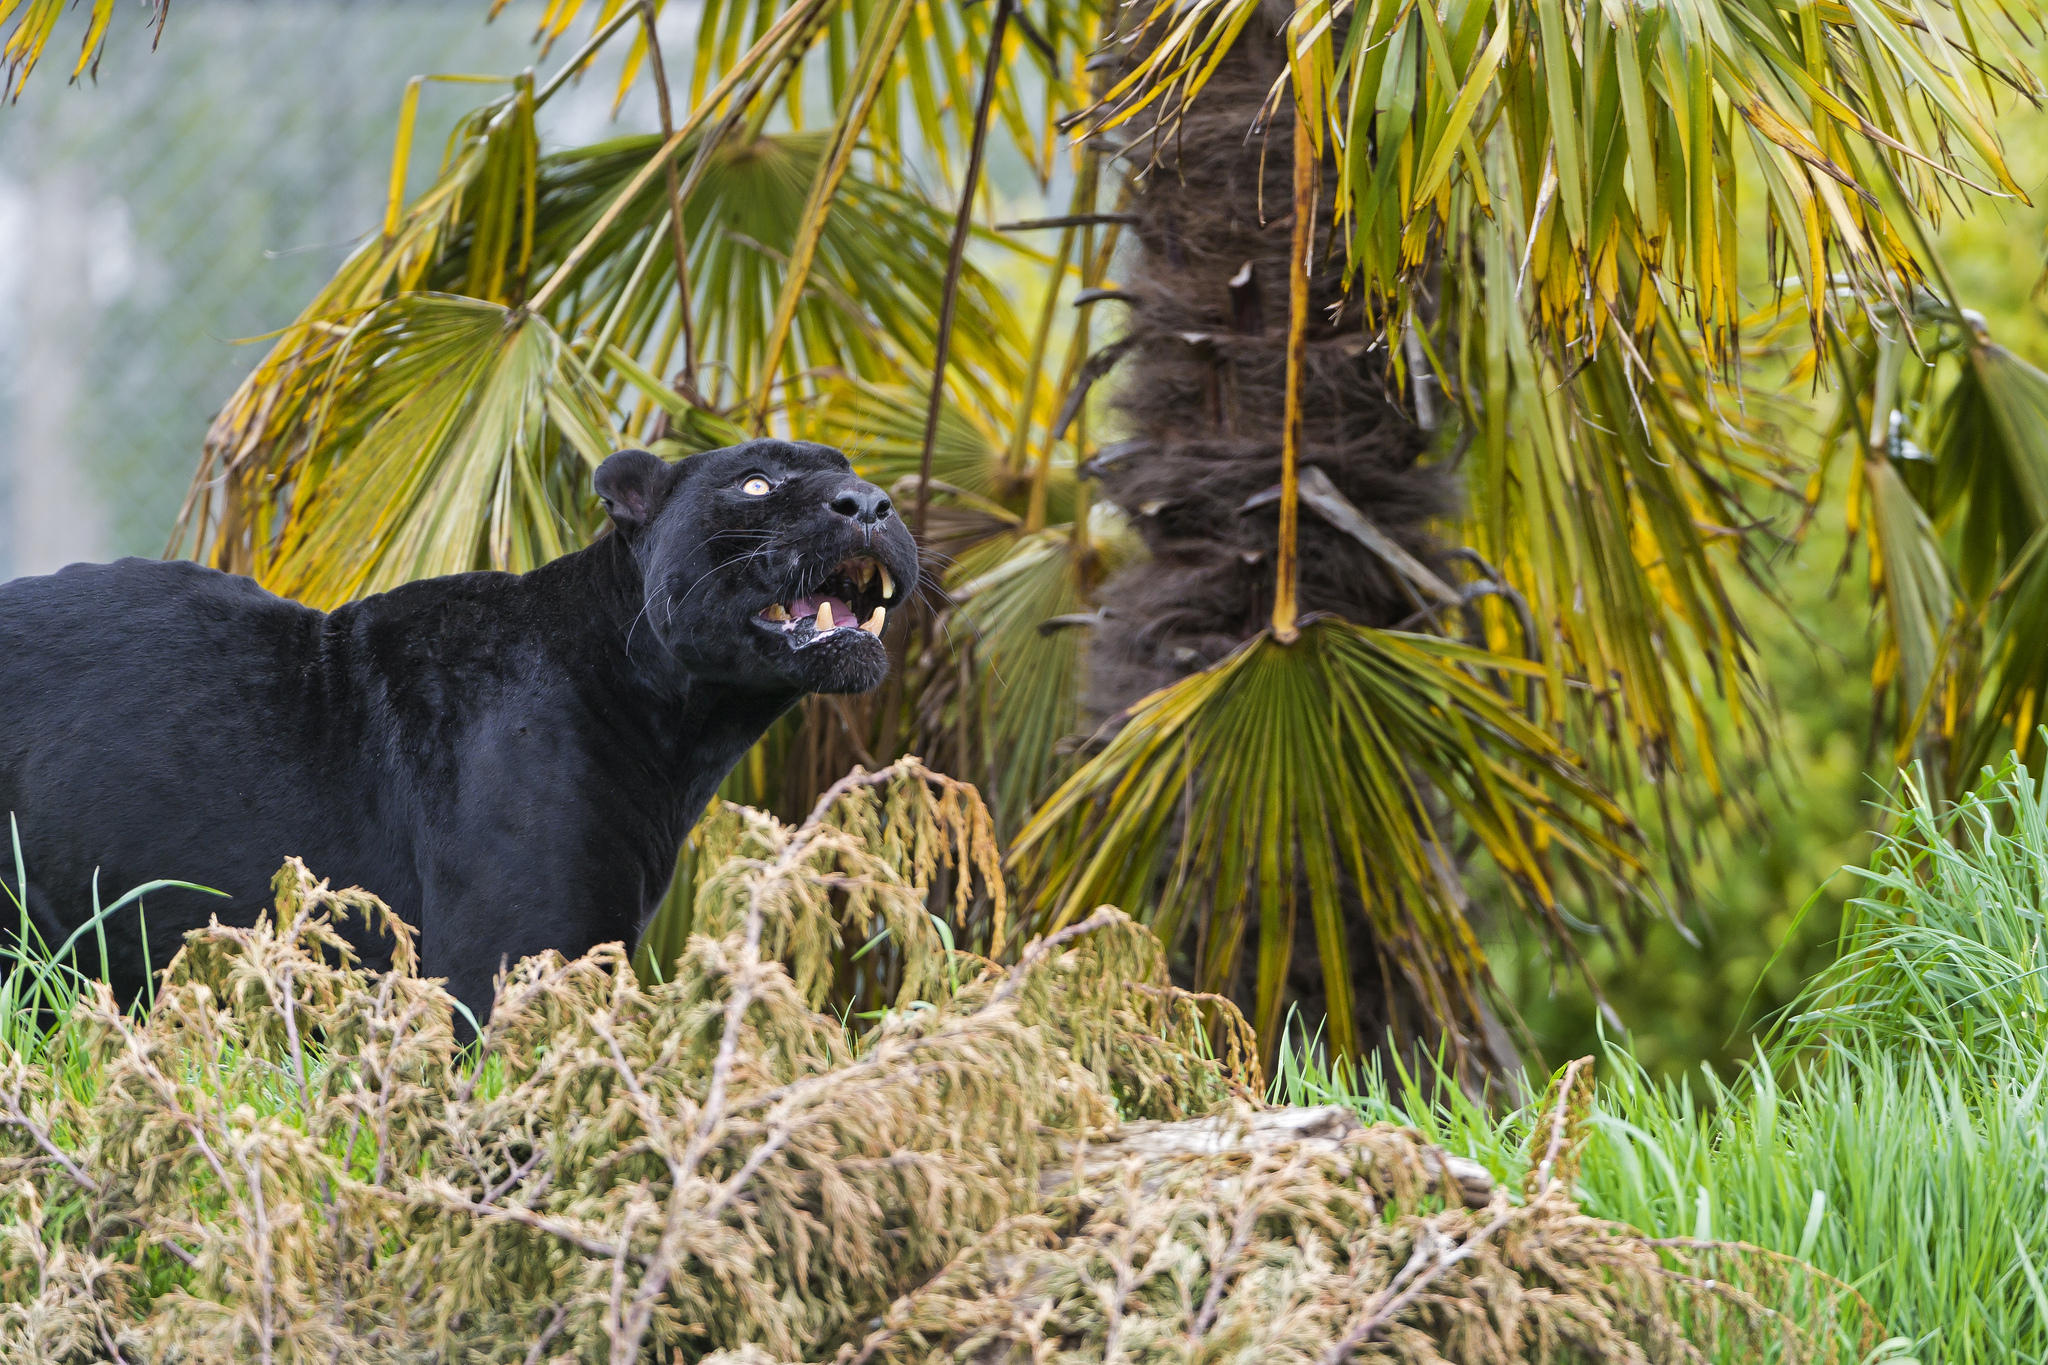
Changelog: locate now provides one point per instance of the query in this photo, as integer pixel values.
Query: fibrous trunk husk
(1201, 394)
(1201, 397)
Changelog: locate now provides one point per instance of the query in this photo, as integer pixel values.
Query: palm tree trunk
(1201, 394)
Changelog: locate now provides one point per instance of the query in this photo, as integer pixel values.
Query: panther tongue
(825, 613)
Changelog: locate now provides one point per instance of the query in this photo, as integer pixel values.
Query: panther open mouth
(854, 595)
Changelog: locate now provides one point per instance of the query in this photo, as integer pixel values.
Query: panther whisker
(645, 605)
(717, 568)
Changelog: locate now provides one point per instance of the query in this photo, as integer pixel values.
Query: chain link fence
(191, 198)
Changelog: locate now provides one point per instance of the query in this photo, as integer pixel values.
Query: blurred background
(195, 198)
(200, 194)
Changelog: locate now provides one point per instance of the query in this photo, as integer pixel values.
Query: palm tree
(1430, 458)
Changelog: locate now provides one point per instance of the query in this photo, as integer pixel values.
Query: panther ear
(632, 484)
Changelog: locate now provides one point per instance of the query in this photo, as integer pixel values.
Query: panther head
(769, 566)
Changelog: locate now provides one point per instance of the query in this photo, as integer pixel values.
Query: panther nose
(864, 502)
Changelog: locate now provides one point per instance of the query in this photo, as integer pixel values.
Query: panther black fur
(510, 761)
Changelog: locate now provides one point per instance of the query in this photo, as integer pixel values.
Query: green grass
(1893, 1127)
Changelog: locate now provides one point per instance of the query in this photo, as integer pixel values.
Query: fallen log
(1159, 1147)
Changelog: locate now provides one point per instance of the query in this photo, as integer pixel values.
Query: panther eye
(756, 486)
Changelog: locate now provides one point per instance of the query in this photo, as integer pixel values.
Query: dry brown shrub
(290, 1159)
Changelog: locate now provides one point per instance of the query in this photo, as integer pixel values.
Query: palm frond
(1300, 778)
(882, 428)
(503, 223)
(35, 23)
(1540, 201)
(2001, 466)
(1616, 499)
(464, 434)
(871, 69)
(1957, 523)
(928, 53)
(1020, 609)
(1619, 125)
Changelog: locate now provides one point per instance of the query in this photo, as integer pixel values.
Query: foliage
(706, 1163)
(1535, 212)
(34, 23)
(1618, 123)
(1552, 192)
(1690, 990)
(1547, 197)
(1941, 954)
(1887, 1130)
(346, 435)
(1324, 731)
(289, 1158)
(1805, 812)
(1949, 458)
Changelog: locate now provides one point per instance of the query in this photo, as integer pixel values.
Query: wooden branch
(14, 1118)
(509, 1213)
(1067, 220)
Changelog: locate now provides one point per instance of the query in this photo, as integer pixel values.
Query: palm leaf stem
(786, 67)
(1041, 338)
(749, 70)
(675, 199)
(1085, 186)
(576, 63)
(1300, 263)
(1094, 268)
(949, 294)
(876, 60)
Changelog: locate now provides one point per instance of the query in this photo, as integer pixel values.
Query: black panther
(511, 761)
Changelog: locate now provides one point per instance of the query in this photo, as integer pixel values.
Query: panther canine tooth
(873, 625)
(888, 585)
(824, 616)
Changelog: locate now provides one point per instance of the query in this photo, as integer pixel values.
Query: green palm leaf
(1957, 533)
(1621, 122)
(1616, 506)
(465, 436)
(1545, 198)
(871, 312)
(927, 75)
(1998, 481)
(882, 428)
(1285, 780)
